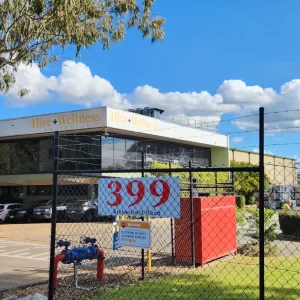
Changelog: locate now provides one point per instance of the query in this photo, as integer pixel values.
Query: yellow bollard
(149, 256)
(117, 226)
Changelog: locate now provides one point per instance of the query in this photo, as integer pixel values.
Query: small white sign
(135, 234)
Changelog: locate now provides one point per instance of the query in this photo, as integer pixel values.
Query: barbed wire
(282, 111)
(227, 120)
(208, 134)
(179, 125)
(178, 153)
(268, 145)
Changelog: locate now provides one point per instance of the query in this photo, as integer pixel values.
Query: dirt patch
(31, 233)
(114, 278)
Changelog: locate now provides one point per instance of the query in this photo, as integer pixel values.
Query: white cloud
(237, 92)
(31, 78)
(237, 139)
(190, 104)
(297, 159)
(77, 85)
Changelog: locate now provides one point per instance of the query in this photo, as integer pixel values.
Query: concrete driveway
(22, 264)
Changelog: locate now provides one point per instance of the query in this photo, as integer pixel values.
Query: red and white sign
(142, 197)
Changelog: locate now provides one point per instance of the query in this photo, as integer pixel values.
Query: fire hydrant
(77, 254)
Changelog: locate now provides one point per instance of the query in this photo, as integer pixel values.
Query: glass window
(80, 152)
(131, 153)
(10, 194)
(150, 153)
(13, 206)
(84, 152)
(119, 153)
(202, 157)
(77, 190)
(108, 153)
(113, 153)
(4, 159)
(39, 190)
(46, 156)
(24, 157)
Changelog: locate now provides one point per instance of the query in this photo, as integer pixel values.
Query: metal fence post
(143, 250)
(216, 180)
(192, 215)
(261, 206)
(172, 227)
(53, 216)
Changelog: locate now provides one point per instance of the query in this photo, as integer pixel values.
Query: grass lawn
(236, 278)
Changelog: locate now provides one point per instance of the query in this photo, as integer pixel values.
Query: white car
(5, 208)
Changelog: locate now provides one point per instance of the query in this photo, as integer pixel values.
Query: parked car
(44, 212)
(22, 214)
(277, 195)
(5, 208)
(83, 210)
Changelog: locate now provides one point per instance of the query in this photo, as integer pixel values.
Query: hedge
(250, 200)
(240, 201)
(290, 223)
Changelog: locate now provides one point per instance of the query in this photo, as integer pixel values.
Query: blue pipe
(78, 254)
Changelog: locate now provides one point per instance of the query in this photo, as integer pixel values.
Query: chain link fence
(183, 237)
(282, 215)
(140, 232)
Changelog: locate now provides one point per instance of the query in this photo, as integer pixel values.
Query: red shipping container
(214, 229)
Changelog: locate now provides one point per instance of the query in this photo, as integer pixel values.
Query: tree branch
(4, 62)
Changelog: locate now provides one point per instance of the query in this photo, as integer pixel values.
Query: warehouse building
(108, 138)
(280, 170)
(111, 138)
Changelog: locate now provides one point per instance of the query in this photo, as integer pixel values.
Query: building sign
(65, 119)
(76, 120)
(131, 121)
(135, 234)
(157, 197)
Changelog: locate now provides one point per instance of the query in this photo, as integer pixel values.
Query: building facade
(100, 138)
(280, 170)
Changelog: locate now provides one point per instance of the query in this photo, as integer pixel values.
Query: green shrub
(286, 207)
(240, 215)
(269, 222)
(240, 201)
(252, 247)
(290, 223)
(250, 200)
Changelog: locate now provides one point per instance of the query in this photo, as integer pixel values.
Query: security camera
(106, 134)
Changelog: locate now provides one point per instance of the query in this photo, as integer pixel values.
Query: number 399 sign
(153, 197)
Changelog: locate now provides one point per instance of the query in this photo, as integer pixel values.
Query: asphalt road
(22, 264)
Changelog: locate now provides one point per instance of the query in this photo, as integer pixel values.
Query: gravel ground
(114, 279)
(122, 266)
(40, 233)
(31, 233)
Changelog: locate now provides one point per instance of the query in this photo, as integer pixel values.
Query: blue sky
(207, 42)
